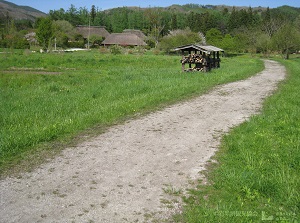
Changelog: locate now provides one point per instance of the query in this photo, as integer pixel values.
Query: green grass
(90, 90)
(258, 172)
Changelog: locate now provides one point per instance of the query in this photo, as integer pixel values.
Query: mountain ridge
(11, 10)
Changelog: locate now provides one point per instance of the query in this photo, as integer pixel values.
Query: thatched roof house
(123, 39)
(85, 31)
(137, 32)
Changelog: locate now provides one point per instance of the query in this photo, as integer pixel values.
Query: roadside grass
(257, 174)
(49, 99)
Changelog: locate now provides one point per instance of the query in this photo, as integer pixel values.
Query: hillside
(18, 12)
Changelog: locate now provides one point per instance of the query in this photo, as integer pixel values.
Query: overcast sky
(47, 5)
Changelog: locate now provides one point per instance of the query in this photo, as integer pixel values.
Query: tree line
(262, 30)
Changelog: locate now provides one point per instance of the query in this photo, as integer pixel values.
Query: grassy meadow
(257, 175)
(48, 99)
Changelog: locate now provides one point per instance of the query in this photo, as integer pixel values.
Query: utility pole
(89, 32)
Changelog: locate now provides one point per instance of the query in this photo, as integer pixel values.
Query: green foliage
(116, 49)
(44, 32)
(257, 176)
(178, 38)
(14, 42)
(93, 13)
(228, 44)
(214, 37)
(38, 106)
(79, 41)
(286, 40)
(263, 44)
(63, 31)
(14, 39)
(96, 40)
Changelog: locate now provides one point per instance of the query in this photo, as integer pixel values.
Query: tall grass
(87, 89)
(257, 178)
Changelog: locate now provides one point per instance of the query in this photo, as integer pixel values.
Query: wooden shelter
(123, 39)
(204, 57)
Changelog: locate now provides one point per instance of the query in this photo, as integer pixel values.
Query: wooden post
(183, 64)
(214, 60)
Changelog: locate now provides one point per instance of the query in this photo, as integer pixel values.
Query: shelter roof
(195, 47)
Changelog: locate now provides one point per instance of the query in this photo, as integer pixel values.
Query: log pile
(197, 59)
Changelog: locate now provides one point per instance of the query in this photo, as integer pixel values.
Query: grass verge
(257, 175)
(47, 99)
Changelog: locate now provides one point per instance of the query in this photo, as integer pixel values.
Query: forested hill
(8, 9)
(197, 17)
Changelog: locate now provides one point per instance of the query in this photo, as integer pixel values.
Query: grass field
(48, 99)
(257, 178)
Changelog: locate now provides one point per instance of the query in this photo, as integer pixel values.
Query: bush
(103, 50)
(77, 44)
(178, 38)
(15, 43)
(21, 43)
(116, 49)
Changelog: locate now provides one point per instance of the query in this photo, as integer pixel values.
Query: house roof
(204, 48)
(85, 31)
(124, 39)
(137, 32)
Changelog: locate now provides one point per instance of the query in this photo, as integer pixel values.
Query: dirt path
(126, 174)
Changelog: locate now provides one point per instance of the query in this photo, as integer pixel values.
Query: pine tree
(93, 13)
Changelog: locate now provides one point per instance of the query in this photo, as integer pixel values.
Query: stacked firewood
(199, 60)
(194, 58)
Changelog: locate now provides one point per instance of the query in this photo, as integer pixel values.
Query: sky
(47, 5)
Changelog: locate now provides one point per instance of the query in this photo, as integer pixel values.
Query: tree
(63, 31)
(228, 43)
(233, 20)
(286, 39)
(93, 13)
(119, 19)
(57, 14)
(156, 22)
(174, 22)
(263, 44)
(214, 36)
(44, 32)
(96, 40)
(178, 38)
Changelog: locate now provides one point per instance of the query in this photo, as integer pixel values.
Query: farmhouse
(123, 39)
(87, 31)
(137, 32)
(204, 57)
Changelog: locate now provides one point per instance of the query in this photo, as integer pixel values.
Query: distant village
(129, 37)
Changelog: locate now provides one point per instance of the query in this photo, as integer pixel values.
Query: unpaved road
(126, 174)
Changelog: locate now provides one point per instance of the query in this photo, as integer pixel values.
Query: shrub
(116, 49)
(179, 38)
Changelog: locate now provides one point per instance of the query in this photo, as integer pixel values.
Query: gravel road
(128, 173)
